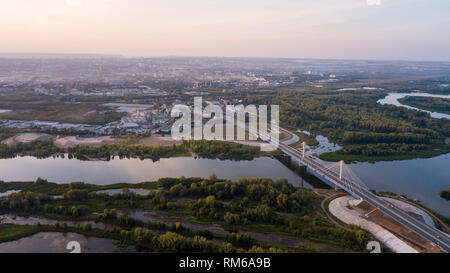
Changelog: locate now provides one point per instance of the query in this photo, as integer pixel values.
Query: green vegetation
(42, 186)
(368, 131)
(143, 240)
(427, 103)
(205, 149)
(431, 85)
(445, 194)
(385, 152)
(223, 150)
(10, 232)
(39, 149)
(253, 204)
(50, 108)
(5, 134)
(310, 140)
(127, 151)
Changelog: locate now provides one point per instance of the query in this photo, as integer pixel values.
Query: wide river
(64, 170)
(392, 98)
(420, 179)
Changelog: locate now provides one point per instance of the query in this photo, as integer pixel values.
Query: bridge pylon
(341, 165)
(303, 149)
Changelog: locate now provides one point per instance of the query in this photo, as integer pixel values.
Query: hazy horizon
(409, 30)
(25, 55)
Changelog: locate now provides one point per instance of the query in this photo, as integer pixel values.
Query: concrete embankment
(339, 207)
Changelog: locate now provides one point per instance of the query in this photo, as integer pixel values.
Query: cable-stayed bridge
(341, 176)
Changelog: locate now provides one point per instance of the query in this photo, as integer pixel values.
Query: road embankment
(340, 209)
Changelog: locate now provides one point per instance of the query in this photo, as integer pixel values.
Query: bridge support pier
(303, 149)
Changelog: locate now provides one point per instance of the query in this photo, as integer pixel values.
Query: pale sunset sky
(344, 29)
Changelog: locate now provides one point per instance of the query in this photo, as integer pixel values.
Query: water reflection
(420, 179)
(19, 220)
(324, 145)
(56, 242)
(6, 193)
(64, 170)
(111, 192)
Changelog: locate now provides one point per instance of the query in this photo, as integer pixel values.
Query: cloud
(373, 2)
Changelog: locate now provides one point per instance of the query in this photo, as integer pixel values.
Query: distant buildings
(137, 121)
(35, 124)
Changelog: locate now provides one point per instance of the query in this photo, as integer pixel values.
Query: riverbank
(57, 242)
(437, 105)
(431, 151)
(339, 207)
(401, 100)
(229, 216)
(26, 138)
(103, 148)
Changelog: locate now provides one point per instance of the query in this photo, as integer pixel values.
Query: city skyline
(348, 29)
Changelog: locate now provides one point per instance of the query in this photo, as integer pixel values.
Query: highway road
(431, 234)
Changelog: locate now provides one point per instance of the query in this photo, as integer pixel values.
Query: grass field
(47, 108)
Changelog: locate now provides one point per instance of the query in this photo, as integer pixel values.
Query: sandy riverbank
(26, 138)
(72, 141)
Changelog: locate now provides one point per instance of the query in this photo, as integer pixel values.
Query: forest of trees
(427, 103)
(247, 203)
(39, 149)
(201, 148)
(223, 150)
(445, 194)
(49, 108)
(127, 151)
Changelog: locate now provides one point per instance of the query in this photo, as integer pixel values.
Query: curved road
(432, 234)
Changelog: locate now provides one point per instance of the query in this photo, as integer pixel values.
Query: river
(64, 170)
(392, 98)
(56, 242)
(420, 179)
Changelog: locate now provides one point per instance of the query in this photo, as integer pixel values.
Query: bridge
(356, 188)
(334, 174)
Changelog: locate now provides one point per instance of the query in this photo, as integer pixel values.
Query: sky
(338, 29)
